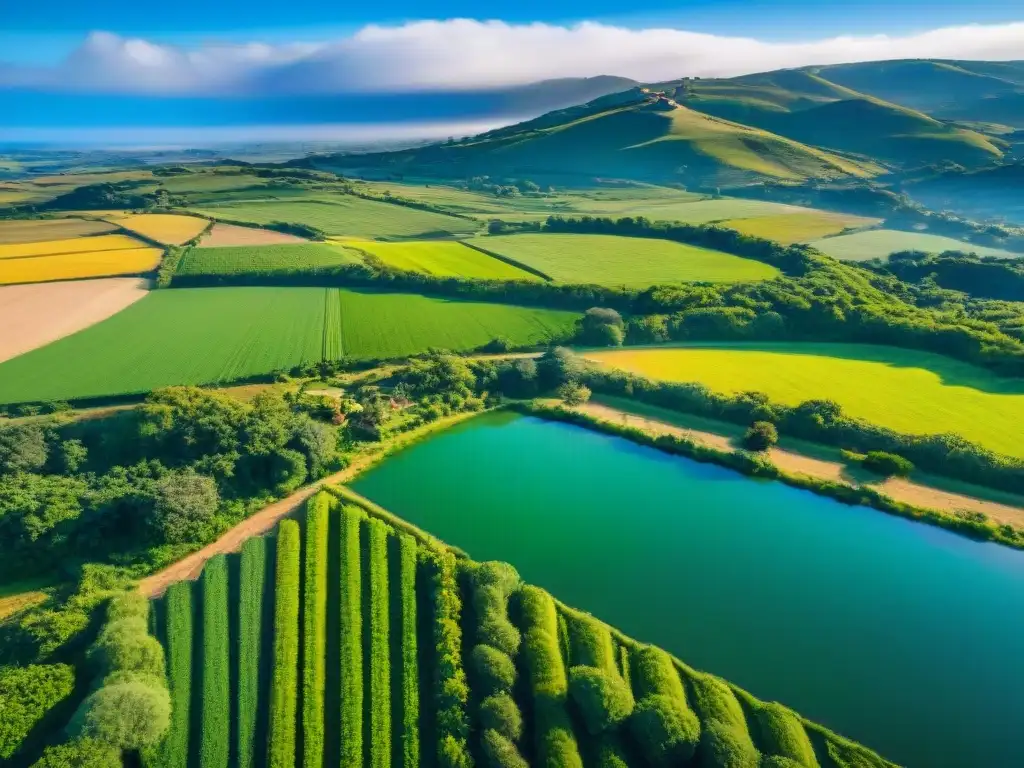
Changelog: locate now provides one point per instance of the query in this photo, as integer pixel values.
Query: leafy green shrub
(500, 633)
(173, 750)
(590, 642)
(351, 638)
(380, 646)
(125, 644)
(493, 671)
(252, 577)
(609, 753)
(776, 761)
(726, 746)
(653, 673)
(129, 605)
(666, 731)
(500, 752)
(714, 700)
(26, 695)
(603, 698)
(760, 436)
(783, 734)
(887, 464)
(314, 633)
(450, 690)
(130, 714)
(452, 753)
(537, 610)
(494, 573)
(80, 753)
(555, 742)
(544, 663)
(574, 393)
(499, 712)
(284, 678)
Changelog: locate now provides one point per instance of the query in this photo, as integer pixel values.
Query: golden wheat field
(100, 243)
(166, 228)
(74, 266)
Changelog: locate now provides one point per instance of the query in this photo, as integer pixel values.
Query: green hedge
(590, 643)
(410, 660)
(723, 744)
(499, 712)
(667, 732)
(26, 695)
(783, 734)
(603, 699)
(314, 631)
(500, 752)
(491, 670)
(380, 646)
(215, 740)
(350, 638)
(537, 610)
(450, 689)
(252, 586)
(126, 645)
(173, 751)
(284, 678)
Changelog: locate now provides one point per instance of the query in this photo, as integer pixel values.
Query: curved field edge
(710, 697)
(219, 335)
(911, 392)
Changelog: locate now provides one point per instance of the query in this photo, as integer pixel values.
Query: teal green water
(896, 634)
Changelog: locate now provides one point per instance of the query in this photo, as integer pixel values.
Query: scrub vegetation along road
(911, 392)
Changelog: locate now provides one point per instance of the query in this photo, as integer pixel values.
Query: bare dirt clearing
(224, 235)
(34, 315)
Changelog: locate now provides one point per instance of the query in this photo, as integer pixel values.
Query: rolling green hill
(988, 193)
(806, 106)
(635, 135)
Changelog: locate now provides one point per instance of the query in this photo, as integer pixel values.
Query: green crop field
(345, 215)
(416, 666)
(797, 227)
(910, 392)
(630, 261)
(443, 259)
(879, 243)
(211, 335)
(261, 259)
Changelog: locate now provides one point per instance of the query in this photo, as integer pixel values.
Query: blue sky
(47, 31)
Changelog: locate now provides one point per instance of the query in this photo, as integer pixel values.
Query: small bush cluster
(26, 695)
(662, 723)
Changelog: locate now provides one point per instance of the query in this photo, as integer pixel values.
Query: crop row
(314, 633)
(284, 684)
(216, 701)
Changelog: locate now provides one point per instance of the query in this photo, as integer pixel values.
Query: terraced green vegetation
(209, 335)
(264, 259)
(444, 259)
(587, 688)
(345, 215)
(910, 392)
(633, 262)
(879, 243)
(797, 227)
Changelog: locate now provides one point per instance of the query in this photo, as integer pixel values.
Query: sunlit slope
(806, 106)
(645, 137)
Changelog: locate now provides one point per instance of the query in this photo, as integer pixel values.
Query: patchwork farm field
(29, 321)
(70, 245)
(77, 266)
(385, 647)
(39, 230)
(797, 227)
(223, 235)
(908, 391)
(214, 335)
(261, 259)
(629, 261)
(345, 215)
(166, 228)
(443, 259)
(879, 243)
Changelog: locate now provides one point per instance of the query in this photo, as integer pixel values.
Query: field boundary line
(510, 261)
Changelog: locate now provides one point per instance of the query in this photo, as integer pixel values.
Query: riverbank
(829, 480)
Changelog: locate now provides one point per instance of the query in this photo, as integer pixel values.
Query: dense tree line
(980, 276)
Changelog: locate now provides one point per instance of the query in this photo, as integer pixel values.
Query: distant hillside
(635, 134)
(982, 91)
(806, 106)
(992, 193)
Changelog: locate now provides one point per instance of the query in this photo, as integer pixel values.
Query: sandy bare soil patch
(34, 315)
(223, 235)
(39, 230)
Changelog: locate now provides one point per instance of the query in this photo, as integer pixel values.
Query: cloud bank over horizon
(467, 54)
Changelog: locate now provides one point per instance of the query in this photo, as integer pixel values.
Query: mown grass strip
(410, 665)
(216, 704)
(284, 684)
(314, 637)
(252, 572)
(350, 638)
(380, 646)
(173, 752)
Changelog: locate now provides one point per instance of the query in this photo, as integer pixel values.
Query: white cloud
(462, 53)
